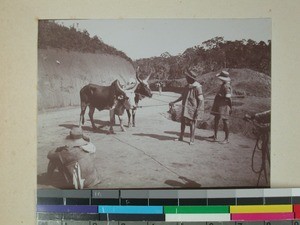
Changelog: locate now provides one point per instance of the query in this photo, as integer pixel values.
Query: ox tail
(84, 102)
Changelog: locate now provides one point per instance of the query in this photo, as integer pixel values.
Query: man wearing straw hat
(74, 161)
(192, 105)
(222, 106)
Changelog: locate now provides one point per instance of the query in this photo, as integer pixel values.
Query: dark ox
(101, 98)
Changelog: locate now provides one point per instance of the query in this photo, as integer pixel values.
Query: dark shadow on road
(245, 146)
(57, 180)
(187, 183)
(209, 139)
(84, 128)
(102, 123)
(156, 136)
(186, 135)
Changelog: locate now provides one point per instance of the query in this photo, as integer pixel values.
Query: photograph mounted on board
(154, 103)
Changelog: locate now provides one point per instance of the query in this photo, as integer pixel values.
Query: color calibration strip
(210, 207)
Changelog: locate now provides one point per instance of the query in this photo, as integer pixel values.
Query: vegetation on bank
(211, 55)
(53, 35)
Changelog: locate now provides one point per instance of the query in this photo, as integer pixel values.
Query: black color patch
(250, 201)
(50, 201)
(134, 201)
(105, 201)
(201, 201)
(278, 200)
(296, 200)
(221, 201)
(163, 202)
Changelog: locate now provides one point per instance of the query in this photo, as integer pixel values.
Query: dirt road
(147, 156)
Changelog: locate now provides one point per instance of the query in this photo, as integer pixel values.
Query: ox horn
(119, 86)
(146, 80)
(137, 76)
(152, 71)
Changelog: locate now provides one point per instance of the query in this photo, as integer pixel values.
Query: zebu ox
(101, 98)
(136, 90)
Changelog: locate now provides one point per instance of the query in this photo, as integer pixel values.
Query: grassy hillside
(243, 81)
(247, 81)
(62, 73)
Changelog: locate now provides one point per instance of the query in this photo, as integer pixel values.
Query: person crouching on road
(74, 161)
(222, 106)
(192, 105)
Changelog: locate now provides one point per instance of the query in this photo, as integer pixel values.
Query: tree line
(51, 34)
(211, 55)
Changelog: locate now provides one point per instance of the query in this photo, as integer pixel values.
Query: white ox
(136, 90)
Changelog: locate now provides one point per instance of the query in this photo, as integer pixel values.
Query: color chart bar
(180, 207)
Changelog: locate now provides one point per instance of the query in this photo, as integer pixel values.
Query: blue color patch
(131, 209)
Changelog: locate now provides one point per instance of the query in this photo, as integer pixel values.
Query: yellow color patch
(261, 208)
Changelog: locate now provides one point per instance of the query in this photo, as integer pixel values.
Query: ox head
(124, 94)
(130, 87)
(125, 102)
(143, 87)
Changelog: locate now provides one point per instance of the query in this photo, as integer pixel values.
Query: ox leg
(91, 114)
(121, 123)
(129, 117)
(133, 117)
(112, 121)
(83, 108)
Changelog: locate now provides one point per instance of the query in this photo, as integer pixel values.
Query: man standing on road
(222, 106)
(192, 105)
(159, 85)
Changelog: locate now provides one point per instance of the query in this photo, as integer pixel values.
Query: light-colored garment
(189, 102)
(89, 147)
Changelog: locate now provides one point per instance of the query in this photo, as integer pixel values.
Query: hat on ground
(191, 74)
(223, 75)
(76, 137)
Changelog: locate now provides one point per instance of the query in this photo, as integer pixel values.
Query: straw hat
(191, 74)
(76, 138)
(224, 76)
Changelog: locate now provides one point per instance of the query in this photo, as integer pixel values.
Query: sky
(144, 38)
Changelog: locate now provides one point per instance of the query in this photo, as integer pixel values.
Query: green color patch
(195, 209)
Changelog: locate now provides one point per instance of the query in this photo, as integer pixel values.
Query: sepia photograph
(154, 103)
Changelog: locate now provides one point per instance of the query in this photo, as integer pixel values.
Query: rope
(161, 100)
(164, 95)
(217, 113)
(205, 98)
(263, 137)
(146, 106)
(147, 155)
(213, 90)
